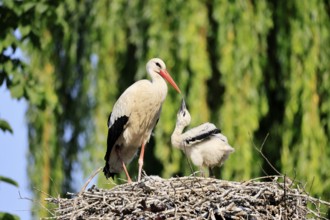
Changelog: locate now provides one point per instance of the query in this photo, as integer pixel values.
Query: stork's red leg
(141, 161)
(125, 170)
(129, 180)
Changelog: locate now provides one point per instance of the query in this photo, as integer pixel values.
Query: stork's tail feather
(114, 132)
(107, 172)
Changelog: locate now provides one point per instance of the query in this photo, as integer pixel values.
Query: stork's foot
(141, 161)
(143, 174)
(129, 180)
(140, 171)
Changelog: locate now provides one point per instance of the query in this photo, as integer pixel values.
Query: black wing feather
(113, 134)
(203, 136)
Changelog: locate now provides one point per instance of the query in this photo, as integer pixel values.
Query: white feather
(210, 151)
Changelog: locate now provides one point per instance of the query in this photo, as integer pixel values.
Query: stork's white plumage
(205, 145)
(133, 118)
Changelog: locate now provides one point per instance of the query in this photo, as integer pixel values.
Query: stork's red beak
(169, 79)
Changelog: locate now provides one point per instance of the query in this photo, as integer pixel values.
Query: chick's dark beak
(183, 106)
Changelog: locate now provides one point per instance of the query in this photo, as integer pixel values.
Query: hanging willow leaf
(8, 180)
(5, 126)
(8, 216)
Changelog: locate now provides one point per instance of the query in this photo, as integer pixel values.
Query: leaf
(17, 91)
(41, 8)
(5, 126)
(28, 5)
(2, 78)
(8, 216)
(25, 30)
(33, 96)
(8, 180)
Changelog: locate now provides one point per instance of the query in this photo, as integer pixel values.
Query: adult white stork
(204, 144)
(133, 117)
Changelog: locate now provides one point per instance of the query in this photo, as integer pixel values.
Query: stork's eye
(184, 113)
(158, 65)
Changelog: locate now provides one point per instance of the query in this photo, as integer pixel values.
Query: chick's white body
(204, 145)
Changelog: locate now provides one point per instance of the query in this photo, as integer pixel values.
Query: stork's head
(183, 116)
(157, 66)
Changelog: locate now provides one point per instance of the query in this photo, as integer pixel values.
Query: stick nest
(189, 198)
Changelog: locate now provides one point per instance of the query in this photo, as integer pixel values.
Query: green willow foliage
(251, 67)
(307, 96)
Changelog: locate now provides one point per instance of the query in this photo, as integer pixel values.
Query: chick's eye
(184, 113)
(158, 65)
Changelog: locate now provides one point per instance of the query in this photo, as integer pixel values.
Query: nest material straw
(187, 198)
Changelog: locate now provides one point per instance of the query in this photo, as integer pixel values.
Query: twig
(262, 154)
(20, 196)
(89, 180)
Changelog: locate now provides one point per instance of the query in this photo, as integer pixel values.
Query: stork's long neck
(159, 84)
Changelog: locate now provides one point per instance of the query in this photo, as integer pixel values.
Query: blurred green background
(253, 68)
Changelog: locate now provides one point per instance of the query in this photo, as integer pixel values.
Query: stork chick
(133, 118)
(204, 144)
